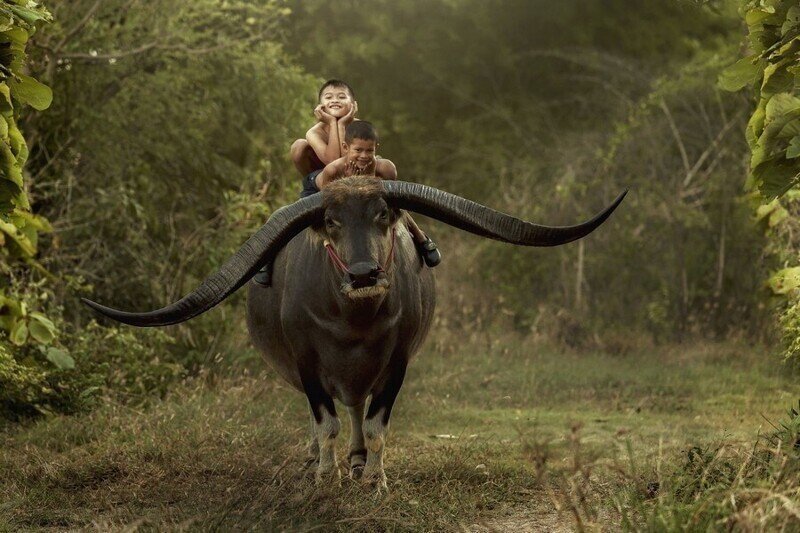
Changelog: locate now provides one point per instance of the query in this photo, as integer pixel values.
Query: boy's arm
(385, 169)
(345, 121)
(328, 150)
(332, 171)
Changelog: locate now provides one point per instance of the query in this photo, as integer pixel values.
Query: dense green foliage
(773, 131)
(772, 68)
(19, 20)
(164, 147)
(21, 322)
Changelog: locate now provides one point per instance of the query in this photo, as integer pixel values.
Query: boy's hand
(348, 118)
(324, 116)
(368, 170)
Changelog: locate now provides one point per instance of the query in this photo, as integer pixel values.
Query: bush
(91, 363)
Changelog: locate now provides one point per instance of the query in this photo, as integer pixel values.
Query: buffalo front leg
(358, 450)
(312, 461)
(376, 425)
(325, 428)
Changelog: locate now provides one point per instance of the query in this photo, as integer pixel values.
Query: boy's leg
(425, 246)
(417, 233)
(304, 158)
(264, 276)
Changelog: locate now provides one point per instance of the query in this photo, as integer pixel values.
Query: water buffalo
(350, 301)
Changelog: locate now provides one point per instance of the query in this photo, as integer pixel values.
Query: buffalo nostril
(363, 274)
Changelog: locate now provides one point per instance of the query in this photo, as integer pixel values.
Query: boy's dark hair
(360, 129)
(336, 84)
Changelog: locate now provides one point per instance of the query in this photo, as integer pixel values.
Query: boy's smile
(360, 153)
(336, 101)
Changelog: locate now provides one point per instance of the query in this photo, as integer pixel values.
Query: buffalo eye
(330, 223)
(383, 216)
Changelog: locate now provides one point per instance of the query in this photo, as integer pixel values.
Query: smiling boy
(360, 146)
(322, 145)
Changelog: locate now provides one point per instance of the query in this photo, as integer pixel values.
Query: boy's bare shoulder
(337, 166)
(385, 169)
(318, 130)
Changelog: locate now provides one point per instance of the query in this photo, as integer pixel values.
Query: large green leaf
(781, 109)
(793, 150)
(21, 239)
(743, 72)
(792, 20)
(773, 212)
(760, 15)
(785, 281)
(31, 15)
(26, 218)
(776, 78)
(775, 177)
(60, 358)
(29, 91)
(41, 328)
(790, 129)
(781, 105)
(19, 333)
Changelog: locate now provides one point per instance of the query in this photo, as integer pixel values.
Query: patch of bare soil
(533, 518)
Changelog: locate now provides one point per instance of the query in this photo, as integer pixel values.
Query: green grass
(487, 434)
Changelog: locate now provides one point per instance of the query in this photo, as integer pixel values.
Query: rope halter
(344, 267)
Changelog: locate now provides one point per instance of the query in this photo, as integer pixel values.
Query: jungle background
(641, 376)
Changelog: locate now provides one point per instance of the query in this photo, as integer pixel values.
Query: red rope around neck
(341, 265)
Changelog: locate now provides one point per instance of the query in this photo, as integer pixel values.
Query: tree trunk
(720, 260)
(579, 278)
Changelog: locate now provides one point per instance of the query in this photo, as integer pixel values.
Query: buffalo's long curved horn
(481, 220)
(259, 249)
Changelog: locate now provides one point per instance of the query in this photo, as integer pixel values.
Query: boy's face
(336, 100)
(360, 153)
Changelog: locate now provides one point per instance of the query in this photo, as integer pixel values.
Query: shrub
(90, 363)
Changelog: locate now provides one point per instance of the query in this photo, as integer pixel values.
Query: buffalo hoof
(375, 481)
(356, 472)
(310, 466)
(328, 477)
(358, 459)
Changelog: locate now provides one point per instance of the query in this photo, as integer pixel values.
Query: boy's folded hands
(348, 118)
(323, 116)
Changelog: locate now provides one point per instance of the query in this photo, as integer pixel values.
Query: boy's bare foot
(429, 252)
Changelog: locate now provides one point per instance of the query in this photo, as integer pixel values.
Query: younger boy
(359, 147)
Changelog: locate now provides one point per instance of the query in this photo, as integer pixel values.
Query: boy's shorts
(310, 184)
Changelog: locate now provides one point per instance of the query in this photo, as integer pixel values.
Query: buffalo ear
(394, 215)
(318, 223)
